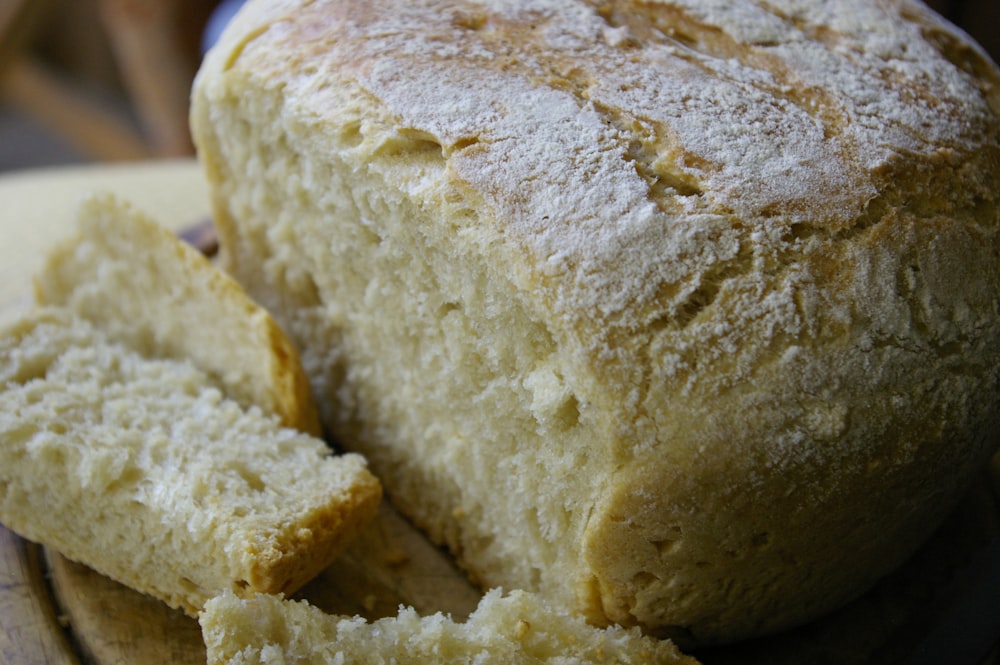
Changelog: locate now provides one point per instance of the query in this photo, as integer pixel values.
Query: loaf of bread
(506, 630)
(135, 280)
(685, 315)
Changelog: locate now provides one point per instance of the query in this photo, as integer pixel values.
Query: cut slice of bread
(516, 628)
(149, 289)
(143, 470)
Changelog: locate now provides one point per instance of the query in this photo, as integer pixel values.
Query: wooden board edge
(31, 629)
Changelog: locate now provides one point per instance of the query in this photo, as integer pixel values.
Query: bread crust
(759, 243)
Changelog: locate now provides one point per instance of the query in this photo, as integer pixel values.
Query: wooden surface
(55, 612)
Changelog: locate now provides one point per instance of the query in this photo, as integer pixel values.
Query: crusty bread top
(592, 135)
(149, 289)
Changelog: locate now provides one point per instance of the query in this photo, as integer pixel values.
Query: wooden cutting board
(56, 612)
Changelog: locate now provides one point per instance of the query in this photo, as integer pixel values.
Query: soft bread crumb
(143, 470)
(505, 629)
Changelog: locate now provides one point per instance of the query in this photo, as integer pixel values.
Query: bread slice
(505, 629)
(683, 314)
(143, 470)
(136, 280)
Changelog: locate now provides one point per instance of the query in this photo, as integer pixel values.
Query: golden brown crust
(292, 396)
(304, 549)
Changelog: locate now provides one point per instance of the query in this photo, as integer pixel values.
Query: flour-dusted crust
(684, 314)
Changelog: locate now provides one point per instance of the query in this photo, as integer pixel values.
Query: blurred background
(99, 80)
(86, 81)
